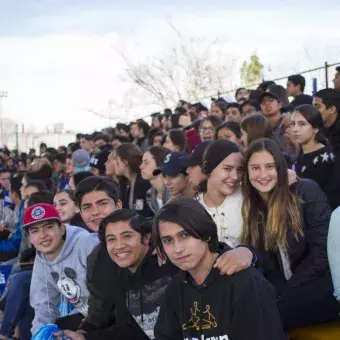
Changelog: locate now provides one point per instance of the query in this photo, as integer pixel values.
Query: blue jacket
(9, 248)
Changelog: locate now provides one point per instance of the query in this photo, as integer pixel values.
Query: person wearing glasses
(208, 127)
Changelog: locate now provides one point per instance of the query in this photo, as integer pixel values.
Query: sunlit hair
(266, 223)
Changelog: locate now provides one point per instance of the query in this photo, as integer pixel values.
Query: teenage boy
(295, 88)
(102, 313)
(327, 101)
(271, 107)
(86, 143)
(175, 176)
(97, 197)
(60, 264)
(137, 281)
(199, 303)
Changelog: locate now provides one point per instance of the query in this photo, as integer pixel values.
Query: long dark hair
(256, 126)
(191, 216)
(274, 217)
(158, 153)
(132, 154)
(177, 137)
(314, 118)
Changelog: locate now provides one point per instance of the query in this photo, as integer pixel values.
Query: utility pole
(3, 94)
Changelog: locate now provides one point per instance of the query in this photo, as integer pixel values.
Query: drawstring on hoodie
(48, 298)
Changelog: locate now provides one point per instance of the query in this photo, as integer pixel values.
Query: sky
(59, 59)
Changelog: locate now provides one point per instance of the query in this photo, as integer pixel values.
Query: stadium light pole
(3, 94)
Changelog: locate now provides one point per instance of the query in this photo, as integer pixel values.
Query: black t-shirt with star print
(317, 165)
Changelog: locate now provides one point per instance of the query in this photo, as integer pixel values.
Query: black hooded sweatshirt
(124, 305)
(237, 307)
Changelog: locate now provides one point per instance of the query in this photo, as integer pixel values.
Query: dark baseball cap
(174, 164)
(268, 94)
(196, 157)
(99, 159)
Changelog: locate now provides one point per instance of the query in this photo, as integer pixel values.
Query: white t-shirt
(159, 203)
(228, 217)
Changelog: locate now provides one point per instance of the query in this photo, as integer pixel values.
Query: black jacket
(123, 303)
(315, 165)
(307, 255)
(140, 204)
(239, 307)
(333, 135)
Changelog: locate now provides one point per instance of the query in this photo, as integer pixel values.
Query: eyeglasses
(207, 129)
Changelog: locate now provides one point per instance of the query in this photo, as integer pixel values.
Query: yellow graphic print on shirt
(208, 320)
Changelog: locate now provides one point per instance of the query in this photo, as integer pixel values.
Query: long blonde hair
(267, 223)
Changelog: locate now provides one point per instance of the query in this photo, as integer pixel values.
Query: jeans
(18, 310)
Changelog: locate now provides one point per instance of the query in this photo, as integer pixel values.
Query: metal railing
(321, 74)
(326, 69)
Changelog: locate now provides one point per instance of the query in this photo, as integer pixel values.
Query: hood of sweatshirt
(66, 275)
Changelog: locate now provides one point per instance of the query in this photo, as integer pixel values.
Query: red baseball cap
(40, 212)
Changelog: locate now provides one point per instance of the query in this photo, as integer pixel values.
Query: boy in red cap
(60, 264)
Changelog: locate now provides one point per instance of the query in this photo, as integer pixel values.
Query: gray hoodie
(65, 275)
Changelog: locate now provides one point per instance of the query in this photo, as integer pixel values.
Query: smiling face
(47, 238)
(125, 245)
(95, 206)
(262, 172)
(148, 166)
(183, 250)
(302, 130)
(65, 206)
(227, 175)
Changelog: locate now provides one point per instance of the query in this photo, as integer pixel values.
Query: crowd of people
(214, 222)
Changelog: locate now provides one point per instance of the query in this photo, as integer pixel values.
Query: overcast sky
(58, 57)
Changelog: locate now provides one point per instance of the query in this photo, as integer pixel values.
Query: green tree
(252, 72)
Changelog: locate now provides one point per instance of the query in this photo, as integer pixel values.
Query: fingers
(234, 260)
(232, 270)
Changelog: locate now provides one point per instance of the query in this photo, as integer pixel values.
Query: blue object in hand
(46, 332)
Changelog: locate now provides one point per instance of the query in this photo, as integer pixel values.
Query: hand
(292, 177)
(234, 261)
(69, 335)
(160, 259)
